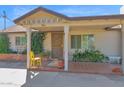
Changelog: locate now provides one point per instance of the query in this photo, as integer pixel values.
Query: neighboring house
(17, 38)
(67, 34)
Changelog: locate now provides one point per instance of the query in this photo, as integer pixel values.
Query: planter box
(92, 67)
(13, 57)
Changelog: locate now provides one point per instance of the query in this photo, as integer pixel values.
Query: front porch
(59, 44)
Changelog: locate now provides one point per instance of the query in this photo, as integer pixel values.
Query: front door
(57, 44)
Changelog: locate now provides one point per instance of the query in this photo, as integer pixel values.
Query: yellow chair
(34, 61)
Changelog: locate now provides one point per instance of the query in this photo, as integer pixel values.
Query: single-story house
(17, 38)
(66, 34)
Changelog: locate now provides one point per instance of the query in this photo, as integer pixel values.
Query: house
(66, 34)
(17, 38)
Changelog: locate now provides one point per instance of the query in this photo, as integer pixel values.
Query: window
(82, 41)
(20, 41)
(76, 41)
(88, 41)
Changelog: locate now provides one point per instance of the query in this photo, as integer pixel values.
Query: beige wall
(108, 42)
(12, 36)
(12, 40)
(47, 42)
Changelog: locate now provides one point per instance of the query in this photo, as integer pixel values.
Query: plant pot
(61, 64)
(116, 70)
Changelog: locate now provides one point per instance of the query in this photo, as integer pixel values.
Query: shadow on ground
(64, 79)
(18, 65)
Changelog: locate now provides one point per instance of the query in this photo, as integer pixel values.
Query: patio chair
(34, 61)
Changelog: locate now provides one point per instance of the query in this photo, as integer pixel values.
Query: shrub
(89, 55)
(46, 54)
(24, 52)
(4, 43)
(37, 39)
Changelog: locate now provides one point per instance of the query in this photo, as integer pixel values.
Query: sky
(14, 12)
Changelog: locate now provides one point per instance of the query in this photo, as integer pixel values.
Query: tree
(4, 43)
(37, 39)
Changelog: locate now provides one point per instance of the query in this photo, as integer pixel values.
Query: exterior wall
(12, 36)
(108, 42)
(47, 42)
(12, 40)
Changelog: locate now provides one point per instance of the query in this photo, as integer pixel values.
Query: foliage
(12, 51)
(37, 39)
(4, 43)
(24, 52)
(46, 53)
(89, 55)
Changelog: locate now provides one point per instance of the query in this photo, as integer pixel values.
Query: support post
(66, 31)
(122, 30)
(28, 48)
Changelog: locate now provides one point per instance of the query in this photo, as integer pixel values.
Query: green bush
(4, 43)
(89, 55)
(46, 54)
(24, 52)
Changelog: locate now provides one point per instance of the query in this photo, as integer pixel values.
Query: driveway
(64, 79)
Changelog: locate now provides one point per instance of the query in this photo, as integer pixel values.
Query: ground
(15, 74)
(64, 79)
(12, 74)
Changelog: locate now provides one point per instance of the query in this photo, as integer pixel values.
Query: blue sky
(13, 11)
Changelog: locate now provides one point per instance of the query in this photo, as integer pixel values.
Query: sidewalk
(12, 77)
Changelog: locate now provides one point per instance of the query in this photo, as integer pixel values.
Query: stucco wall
(108, 42)
(12, 41)
(47, 42)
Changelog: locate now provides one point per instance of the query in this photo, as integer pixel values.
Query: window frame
(81, 42)
(20, 41)
(76, 43)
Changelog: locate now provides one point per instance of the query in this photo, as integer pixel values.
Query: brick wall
(12, 57)
(91, 67)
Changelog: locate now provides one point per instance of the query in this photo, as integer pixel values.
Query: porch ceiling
(61, 28)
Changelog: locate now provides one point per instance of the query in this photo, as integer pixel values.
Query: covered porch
(59, 43)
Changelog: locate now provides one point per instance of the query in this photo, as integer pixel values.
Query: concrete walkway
(63, 79)
(12, 74)
(12, 77)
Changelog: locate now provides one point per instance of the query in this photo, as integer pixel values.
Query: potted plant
(46, 55)
(60, 63)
